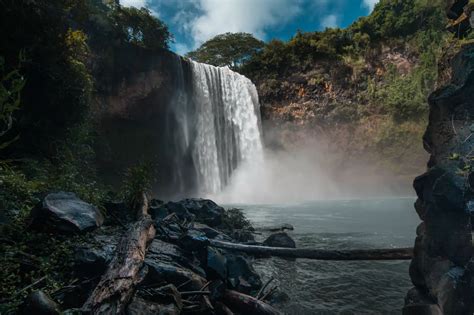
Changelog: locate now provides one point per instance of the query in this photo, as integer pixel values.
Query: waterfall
(227, 124)
(213, 124)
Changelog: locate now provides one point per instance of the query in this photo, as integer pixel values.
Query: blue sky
(192, 22)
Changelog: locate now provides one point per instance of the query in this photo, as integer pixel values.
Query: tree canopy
(229, 49)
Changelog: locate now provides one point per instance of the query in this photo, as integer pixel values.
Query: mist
(310, 171)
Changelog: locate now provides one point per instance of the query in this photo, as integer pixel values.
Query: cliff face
(135, 123)
(442, 269)
(337, 101)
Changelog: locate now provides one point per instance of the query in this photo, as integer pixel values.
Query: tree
(229, 49)
(139, 27)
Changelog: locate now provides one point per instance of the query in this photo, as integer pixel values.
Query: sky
(192, 22)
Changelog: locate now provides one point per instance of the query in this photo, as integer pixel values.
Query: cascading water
(227, 124)
(213, 124)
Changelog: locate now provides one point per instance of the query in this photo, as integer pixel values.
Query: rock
(92, 258)
(216, 264)
(194, 240)
(206, 211)
(65, 213)
(422, 309)
(39, 303)
(281, 239)
(170, 272)
(139, 306)
(240, 274)
(179, 209)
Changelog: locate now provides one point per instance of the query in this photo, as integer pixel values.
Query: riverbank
(180, 273)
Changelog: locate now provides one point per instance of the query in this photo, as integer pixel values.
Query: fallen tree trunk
(318, 254)
(247, 304)
(117, 285)
(275, 228)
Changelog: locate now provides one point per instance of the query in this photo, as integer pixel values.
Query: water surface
(329, 287)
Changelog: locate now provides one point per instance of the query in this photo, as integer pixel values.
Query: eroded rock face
(65, 213)
(442, 267)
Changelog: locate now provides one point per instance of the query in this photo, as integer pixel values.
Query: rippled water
(328, 287)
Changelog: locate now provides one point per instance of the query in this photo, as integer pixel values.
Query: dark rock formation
(281, 239)
(39, 303)
(442, 268)
(65, 213)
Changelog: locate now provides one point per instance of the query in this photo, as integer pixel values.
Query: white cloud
(133, 3)
(255, 17)
(370, 4)
(330, 21)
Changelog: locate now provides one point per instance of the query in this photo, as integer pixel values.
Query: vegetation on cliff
(363, 88)
(54, 57)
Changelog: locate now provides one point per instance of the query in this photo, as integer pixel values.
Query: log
(318, 254)
(246, 304)
(276, 228)
(117, 285)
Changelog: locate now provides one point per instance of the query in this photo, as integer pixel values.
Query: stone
(216, 264)
(173, 273)
(139, 306)
(64, 212)
(241, 275)
(206, 211)
(92, 258)
(39, 303)
(280, 239)
(422, 309)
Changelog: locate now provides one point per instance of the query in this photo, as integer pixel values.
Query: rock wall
(134, 121)
(442, 267)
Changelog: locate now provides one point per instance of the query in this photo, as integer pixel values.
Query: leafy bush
(11, 84)
(137, 180)
(234, 219)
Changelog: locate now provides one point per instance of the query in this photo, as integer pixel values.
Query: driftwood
(117, 285)
(247, 304)
(276, 228)
(318, 254)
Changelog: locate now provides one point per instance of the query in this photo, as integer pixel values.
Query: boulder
(39, 303)
(206, 211)
(240, 274)
(91, 258)
(281, 239)
(64, 212)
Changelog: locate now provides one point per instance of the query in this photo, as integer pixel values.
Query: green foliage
(27, 257)
(137, 180)
(229, 49)
(139, 27)
(11, 85)
(234, 219)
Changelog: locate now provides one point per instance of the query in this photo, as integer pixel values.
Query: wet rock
(74, 296)
(281, 239)
(172, 254)
(216, 264)
(92, 258)
(206, 211)
(173, 273)
(179, 209)
(39, 303)
(240, 274)
(65, 213)
(194, 240)
(422, 309)
(140, 306)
